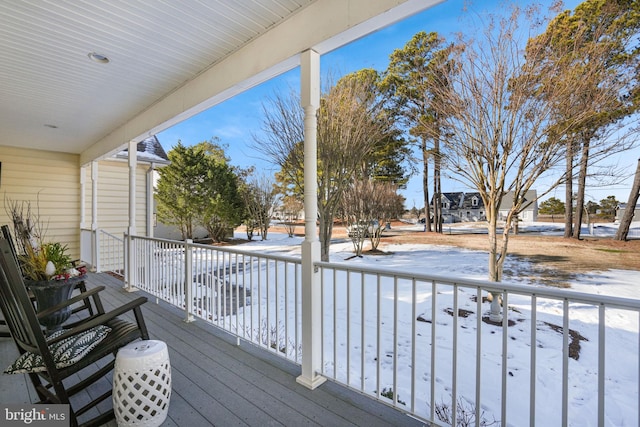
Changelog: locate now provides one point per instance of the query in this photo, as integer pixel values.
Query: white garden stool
(142, 384)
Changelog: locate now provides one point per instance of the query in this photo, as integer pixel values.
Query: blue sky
(236, 120)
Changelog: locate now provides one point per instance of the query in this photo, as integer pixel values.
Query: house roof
(467, 203)
(167, 61)
(455, 199)
(624, 206)
(530, 196)
(149, 150)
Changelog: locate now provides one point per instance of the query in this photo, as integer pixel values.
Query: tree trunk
(425, 185)
(568, 193)
(326, 228)
(625, 222)
(582, 182)
(437, 207)
(492, 217)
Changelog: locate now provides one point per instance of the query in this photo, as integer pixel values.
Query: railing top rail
(514, 288)
(254, 253)
(111, 235)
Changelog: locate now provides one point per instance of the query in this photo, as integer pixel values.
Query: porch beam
(311, 295)
(322, 26)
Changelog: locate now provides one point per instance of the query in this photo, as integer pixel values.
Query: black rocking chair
(64, 355)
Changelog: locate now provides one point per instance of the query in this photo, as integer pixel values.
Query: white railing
(103, 251)
(419, 356)
(110, 251)
(254, 297)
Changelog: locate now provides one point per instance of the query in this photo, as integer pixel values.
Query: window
(474, 202)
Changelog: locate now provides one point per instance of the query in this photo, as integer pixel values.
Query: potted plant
(49, 273)
(47, 269)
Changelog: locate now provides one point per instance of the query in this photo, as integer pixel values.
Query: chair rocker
(65, 354)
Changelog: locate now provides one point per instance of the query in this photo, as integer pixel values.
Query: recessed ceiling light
(97, 57)
(51, 126)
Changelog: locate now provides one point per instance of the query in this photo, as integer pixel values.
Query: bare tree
(260, 196)
(291, 208)
(367, 206)
(625, 222)
(355, 211)
(501, 136)
(351, 121)
(386, 204)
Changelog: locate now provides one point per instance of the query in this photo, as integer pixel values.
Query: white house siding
(113, 197)
(50, 181)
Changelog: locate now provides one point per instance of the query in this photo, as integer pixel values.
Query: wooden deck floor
(217, 383)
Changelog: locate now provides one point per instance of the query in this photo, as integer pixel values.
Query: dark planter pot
(50, 293)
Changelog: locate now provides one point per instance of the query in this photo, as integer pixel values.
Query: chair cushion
(65, 353)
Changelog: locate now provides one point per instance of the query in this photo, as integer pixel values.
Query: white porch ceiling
(169, 59)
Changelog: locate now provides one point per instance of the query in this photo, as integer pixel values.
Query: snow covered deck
(216, 382)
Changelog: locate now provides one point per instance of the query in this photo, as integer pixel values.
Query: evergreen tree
(199, 187)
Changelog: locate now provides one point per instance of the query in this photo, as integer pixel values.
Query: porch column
(94, 216)
(83, 199)
(131, 267)
(311, 295)
(150, 200)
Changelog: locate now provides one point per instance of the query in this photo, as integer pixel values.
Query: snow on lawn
(622, 364)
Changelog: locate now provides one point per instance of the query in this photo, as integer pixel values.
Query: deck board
(219, 383)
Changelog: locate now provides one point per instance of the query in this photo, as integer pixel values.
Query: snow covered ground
(622, 336)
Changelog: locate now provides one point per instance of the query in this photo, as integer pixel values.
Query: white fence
(418, 342)
(255, 297)
(103, 251)
(430, 349)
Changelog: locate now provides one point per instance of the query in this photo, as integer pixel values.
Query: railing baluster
(534, 346)
(297, 304)
(378, 335)
(565, 361)
(348, 328)
(414, 338)
(335, 327)
(505, 353)
(259, 338)
(478, 356)
(362, 332)
(454, 360)
(277, 305)
(269, 307)
(432, 374)
(601, 363)
(395, 340)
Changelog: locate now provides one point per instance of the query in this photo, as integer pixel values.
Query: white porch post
(94, 216)
(83, 198)
(150, 200)
(133, 158)
(311, 295)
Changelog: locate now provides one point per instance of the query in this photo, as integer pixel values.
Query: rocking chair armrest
(84, 295)
(102, 319)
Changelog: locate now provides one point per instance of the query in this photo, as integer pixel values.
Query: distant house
(466, 207)
(451, 203)
(461, 207)
(623, 207)
(530, 210)
(472, 208)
